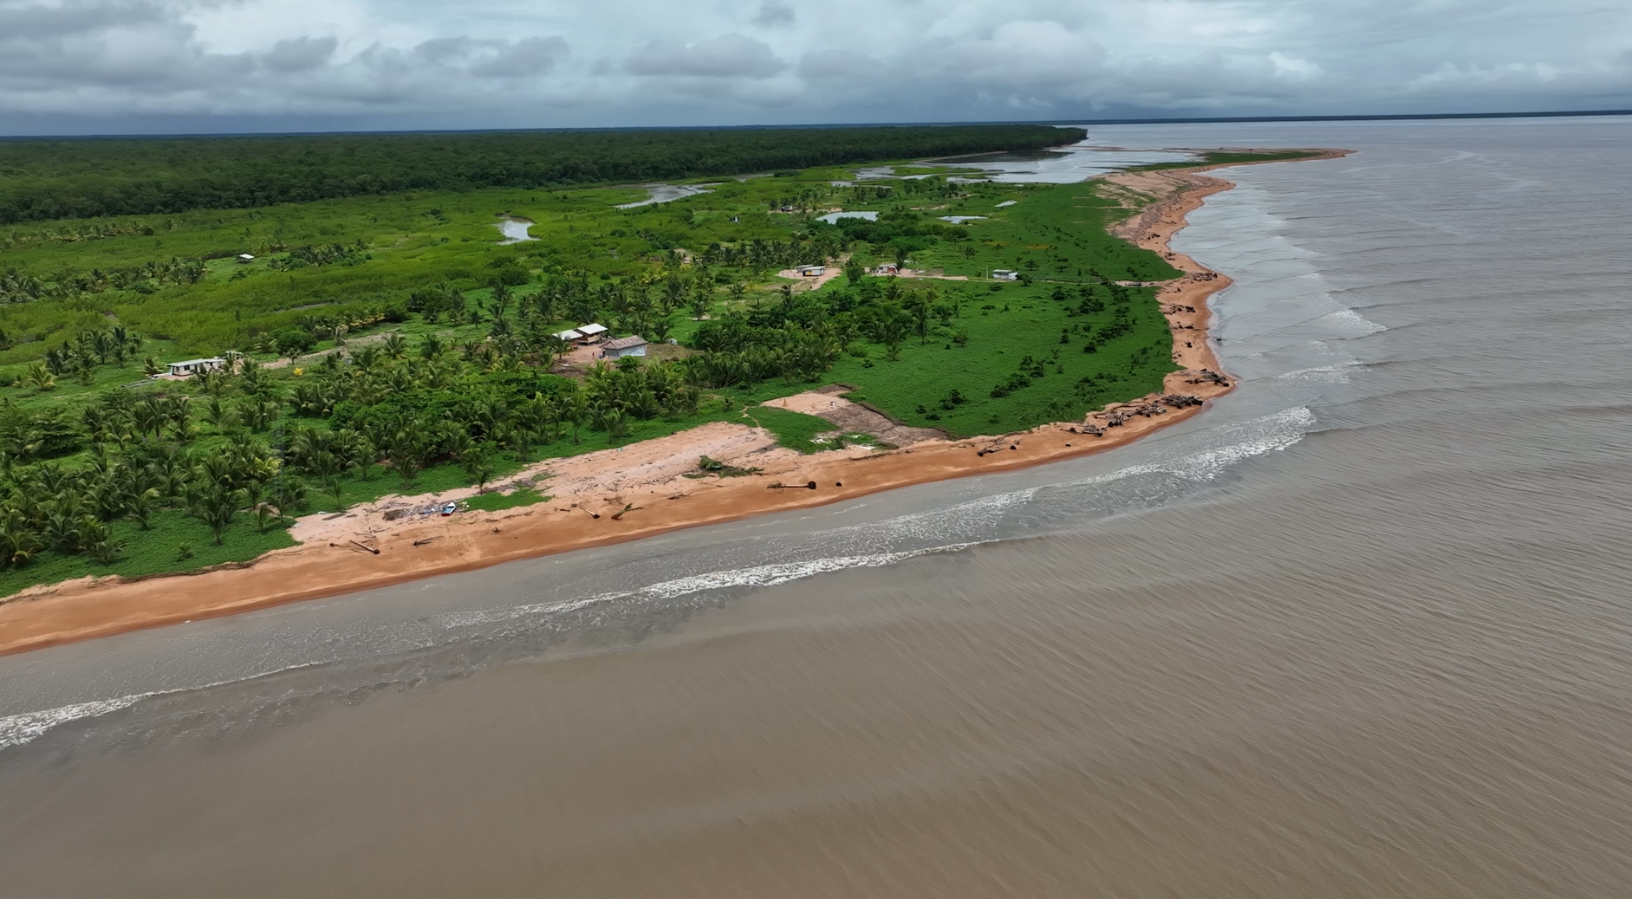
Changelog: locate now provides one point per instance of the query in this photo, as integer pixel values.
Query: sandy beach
(642, 490)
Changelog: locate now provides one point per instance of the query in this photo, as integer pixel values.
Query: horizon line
(1147, 120)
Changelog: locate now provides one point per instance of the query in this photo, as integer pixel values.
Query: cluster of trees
(86, 177)
(81, 356)
(52, 507)
(79, 231)
(17, 286)
(326, 254)
(820, 242)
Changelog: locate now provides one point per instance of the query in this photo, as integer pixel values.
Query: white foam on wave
(1352, 321)
(16, 730)
(1324, 374)
(1255, 437)
(757, 576)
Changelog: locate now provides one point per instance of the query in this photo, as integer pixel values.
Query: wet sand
(364, 554)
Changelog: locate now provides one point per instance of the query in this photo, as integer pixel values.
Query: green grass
(1024, 322)
(794, 430)
(515, 499)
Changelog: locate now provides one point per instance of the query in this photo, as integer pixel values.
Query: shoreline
(88, 608)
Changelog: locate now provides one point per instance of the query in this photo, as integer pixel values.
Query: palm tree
(395, 345)
(217, 506)
(18, 542)
(478, 463)
(219, 414)
(139, 507)
(38, 376)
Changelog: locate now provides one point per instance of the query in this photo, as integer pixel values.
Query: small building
(194, 366)
(810, 271)
(570, 336)
(888, 268)
(245, 258)
(624, 346)
(591, 333)
(1003, 274)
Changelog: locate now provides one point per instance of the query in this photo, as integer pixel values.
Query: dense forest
(44, 179)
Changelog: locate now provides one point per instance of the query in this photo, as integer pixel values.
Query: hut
(810, 271)
(591, 333)
(1003, 274)
(634, 345)
(570, 335)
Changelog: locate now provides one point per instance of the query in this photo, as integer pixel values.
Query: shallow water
(665, 193)
(832, 217)
(515, 229)
(1360, 630)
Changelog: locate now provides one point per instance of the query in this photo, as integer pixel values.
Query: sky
(208, 66)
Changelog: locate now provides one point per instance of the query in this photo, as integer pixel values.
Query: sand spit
(645, 485)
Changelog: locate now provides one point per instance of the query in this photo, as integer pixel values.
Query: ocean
(1362, 629)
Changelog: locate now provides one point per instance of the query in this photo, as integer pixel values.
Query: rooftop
(624, 343)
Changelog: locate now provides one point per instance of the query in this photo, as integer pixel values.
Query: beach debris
(586, 511)
(364, 547)
(1207, 376)
(707, 466)
(1180, 400)
(448, 509)
(423, 541)
(627, 508)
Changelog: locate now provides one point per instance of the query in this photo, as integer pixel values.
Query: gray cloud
(299, 54)
(84, 63)
(828, 65)
(774, 15)
(726, 56)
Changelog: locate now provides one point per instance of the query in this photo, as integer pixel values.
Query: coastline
(330, 562)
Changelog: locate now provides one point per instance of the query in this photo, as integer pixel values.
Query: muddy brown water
(1362, 630)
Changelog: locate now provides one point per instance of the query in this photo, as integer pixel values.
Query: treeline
(43, 179)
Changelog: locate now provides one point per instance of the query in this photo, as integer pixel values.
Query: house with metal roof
(634, 345)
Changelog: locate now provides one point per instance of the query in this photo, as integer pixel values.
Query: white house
(810, 271)
(888, 268)
(194, 366)
(624, 346)
(570, 336)
(245, 258)
(1003, 274)
(591, 333)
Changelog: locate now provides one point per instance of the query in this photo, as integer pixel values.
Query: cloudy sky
(104, 66)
